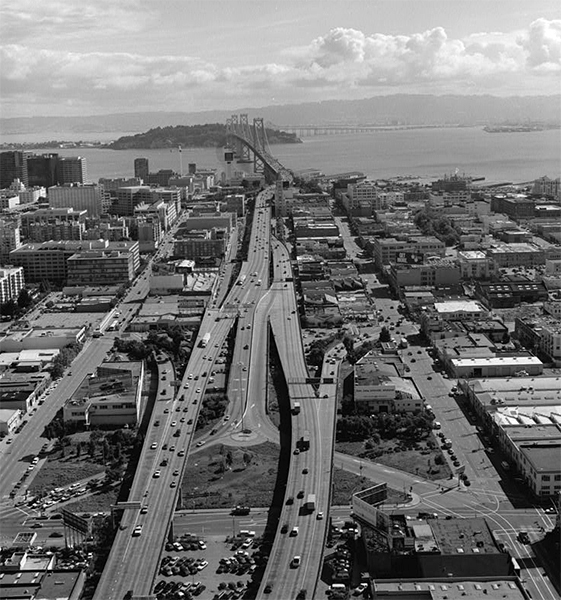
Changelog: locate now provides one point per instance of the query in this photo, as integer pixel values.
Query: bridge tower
(259, 141)
(244, 155)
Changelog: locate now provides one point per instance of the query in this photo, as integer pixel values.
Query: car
(178, 409)
(186, 409)
(305, 471)
(190, 422)
(290, 500)
(198, 390)
(172, 448)
(173, 423)
(137, 531)
(295, 562)
(296, 451)
(182, 420)
(173, 484)
(201, 443)
(166, 411)
(300, 494)
(284, 528)
(227, 418)
(37, 526)
(56, 534)
(181, 452)
(360, 589)
(294, 531)
(319, 516)
(268, 589)
(190, 376)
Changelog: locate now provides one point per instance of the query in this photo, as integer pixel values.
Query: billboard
(75, 522)
(408, 258)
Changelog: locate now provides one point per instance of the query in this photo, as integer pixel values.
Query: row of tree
(355, 428)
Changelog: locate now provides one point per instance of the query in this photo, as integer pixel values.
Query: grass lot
(62, 472)
(207, 485)
(392, 454)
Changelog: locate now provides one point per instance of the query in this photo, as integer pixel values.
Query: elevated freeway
(252, 306)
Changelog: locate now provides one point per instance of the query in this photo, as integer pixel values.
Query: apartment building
(10, 237)
(46, 224)
(72, 169)
(91, 197)
(516, 255)
(12, 282)
(201, 243)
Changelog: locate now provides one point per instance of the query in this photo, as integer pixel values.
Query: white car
(201, 443)
(137, 530)
(154, 446)
(156, 474)
(361, 589)
(173, 423)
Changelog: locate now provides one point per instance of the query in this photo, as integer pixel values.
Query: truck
(241, 279)
(305, 441)
(296, 408)
(204, 340)
(310, 502)
(404, 343)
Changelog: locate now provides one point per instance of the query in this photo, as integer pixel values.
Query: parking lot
(209, 566)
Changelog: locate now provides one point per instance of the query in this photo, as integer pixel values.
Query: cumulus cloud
(542, 44)
(338, 64)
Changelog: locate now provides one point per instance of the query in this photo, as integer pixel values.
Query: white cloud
(542, 43)
(343, 63)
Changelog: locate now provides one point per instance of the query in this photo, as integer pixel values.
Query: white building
(90, 197)
(11, 283)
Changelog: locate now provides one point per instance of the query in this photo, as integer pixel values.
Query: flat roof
(463, 536)
(543, 456)
(496, 361)
(458, 306)
(449, 588)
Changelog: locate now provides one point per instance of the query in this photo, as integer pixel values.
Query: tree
(385, 335)
(10, 308)
(24, 299)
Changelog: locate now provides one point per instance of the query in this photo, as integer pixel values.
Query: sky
(88, 57)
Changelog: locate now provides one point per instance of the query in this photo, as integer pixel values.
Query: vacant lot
(223, 476)
(62, 472)
(416, 458)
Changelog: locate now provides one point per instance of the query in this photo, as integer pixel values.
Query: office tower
(13, 165)
(192, 168)
(141, 168)
(11, 283)
(42, 170)
(71, 169)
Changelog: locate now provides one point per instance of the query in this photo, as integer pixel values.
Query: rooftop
(449, 589)
(463, 536)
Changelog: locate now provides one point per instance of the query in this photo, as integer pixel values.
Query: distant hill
(398, 109)
(190, 136)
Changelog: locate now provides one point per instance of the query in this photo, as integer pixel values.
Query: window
(546, 478)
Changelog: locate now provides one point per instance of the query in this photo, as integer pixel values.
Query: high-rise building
(141, 169)
(42, 170)
(13, 165)
(71, 169)
(9, 237)
(11, 283)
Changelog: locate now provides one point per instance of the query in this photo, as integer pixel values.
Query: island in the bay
(191, 136)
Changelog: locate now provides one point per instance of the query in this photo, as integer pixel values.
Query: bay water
(516, 157)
